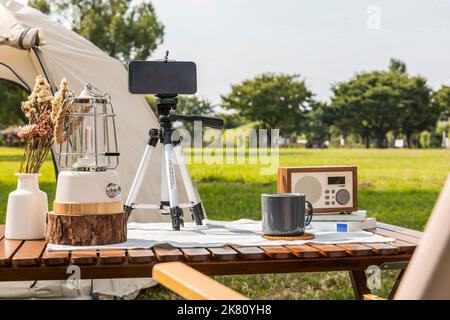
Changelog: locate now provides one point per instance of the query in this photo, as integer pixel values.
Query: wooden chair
(428, 273)
(192, 284)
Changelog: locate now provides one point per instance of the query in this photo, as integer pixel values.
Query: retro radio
(329, 189)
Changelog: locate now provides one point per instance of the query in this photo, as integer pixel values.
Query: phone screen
(160, 77)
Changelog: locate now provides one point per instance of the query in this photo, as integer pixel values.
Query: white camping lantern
(88, 188)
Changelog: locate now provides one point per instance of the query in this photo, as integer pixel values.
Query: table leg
(396, 284)
(359, 283)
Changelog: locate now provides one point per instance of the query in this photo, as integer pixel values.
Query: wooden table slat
(29, 254)
(112, 256)
(83, 257)
(404, 247)
(398, 236)
(223, 253)
(356, 249)
(383, 248)
(277, 252)
(304, 251)
(249, 253)
(54, 258)
(167, 254)
(406, 231)
(330, 250)
(141, 256)
(2, 231)
(7, 250)
(196, 254)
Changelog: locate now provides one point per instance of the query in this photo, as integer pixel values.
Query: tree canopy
(397, 65)
(373, 103)
(441, 100)
(125, 29)
(276, 101)
(416, 112)
(317, 125)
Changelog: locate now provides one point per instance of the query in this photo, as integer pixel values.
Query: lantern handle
(93, 91)
(107, 97)
(70, 95)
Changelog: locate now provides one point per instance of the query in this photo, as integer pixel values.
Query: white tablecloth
(217, 233)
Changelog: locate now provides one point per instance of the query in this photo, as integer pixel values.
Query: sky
(325, 41)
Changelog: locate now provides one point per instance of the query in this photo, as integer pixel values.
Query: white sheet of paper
(212, 233)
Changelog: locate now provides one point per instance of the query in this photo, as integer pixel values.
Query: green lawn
(396, 186)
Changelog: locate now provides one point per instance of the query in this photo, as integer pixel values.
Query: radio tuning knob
(343, 196)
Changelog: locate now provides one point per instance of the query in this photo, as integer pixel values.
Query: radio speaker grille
(309, 186)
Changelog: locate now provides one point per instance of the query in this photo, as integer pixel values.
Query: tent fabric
(68, 55)
(23, 37)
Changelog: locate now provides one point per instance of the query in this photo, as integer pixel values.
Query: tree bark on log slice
(86, 230)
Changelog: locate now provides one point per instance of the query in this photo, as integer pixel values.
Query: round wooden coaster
(305, 236)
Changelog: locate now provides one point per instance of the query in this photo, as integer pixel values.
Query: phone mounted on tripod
(166, 79)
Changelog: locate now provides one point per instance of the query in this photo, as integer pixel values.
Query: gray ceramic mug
(284, 214)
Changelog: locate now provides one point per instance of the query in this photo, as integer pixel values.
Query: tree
(11, 96)
(397, 65)
(373, 103)
(125, 29)
(441, 100)
(317, 125)
(366, 105)
(416, 112)
(276, 101)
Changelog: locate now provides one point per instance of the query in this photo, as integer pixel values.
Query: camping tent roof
(68, 55)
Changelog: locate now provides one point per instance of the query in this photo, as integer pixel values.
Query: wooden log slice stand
(87, 224)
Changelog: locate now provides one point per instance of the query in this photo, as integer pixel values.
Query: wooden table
(28, 260)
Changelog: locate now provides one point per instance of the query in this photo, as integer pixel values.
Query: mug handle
(310, 213)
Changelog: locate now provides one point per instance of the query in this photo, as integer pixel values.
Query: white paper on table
(212, 233)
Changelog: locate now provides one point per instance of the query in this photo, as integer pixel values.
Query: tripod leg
(176, 212)
(164, 187)
(197, 209)
(142, 169)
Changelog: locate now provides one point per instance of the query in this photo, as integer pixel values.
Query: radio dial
(343, 196)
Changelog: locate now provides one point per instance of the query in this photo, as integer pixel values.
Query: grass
(396, 186)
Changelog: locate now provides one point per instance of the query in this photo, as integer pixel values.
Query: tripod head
(167, 103)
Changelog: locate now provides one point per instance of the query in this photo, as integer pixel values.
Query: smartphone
(162, 77)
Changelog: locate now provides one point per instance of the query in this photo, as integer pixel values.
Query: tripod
(171, 150)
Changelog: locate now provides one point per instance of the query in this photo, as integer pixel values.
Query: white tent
(32, 44)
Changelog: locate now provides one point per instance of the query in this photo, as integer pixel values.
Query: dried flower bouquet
(41, 111)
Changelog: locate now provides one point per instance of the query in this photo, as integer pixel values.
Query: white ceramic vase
(27, 209)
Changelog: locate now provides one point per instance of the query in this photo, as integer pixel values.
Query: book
(354, 216)
(344, 226)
